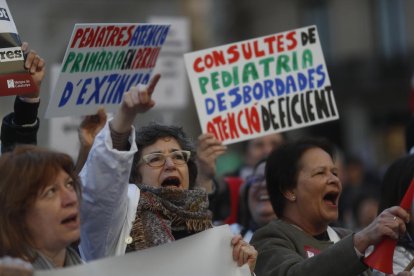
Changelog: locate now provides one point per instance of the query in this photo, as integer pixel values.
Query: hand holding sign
(14, 79)
(390, 223)
(381, 258)
(135, 101)
(243, 252)
(36, 66)
(208, 150)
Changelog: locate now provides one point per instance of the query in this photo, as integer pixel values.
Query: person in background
(255, 207)
(358, 179)
(161, 205)
(364, 209)
(304, 190)
(395, 183)
(21, 126)
(258, 148)
(224, 204)
(39, 203)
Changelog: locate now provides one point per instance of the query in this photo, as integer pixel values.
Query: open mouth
(171, 181)
(70, 219)
(263, 197)
(331, 198)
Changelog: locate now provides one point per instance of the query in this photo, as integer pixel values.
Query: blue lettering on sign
(4, 15)
(67, 92)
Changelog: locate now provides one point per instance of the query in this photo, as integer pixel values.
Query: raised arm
(109, 203)
(135, 101)
(208, 150)
(88, 129)
(21, 126)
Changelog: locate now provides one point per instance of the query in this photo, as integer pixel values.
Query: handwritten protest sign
(14, 78)
(263, 85)
(101, 63)
(204, 254)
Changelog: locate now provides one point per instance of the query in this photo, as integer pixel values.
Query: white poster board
(208, 253)
(173, 91)
(260, 86)
(63, 131)
(101, 63)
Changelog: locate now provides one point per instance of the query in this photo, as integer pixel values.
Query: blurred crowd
(296, 206)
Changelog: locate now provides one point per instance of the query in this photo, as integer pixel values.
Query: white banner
(208, 253)
(255, 87)
(102, 62)
(172, 92)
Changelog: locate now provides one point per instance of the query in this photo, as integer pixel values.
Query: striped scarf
(162, 211)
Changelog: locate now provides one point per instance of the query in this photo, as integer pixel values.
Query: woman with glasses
(161, 205)
(255, 207)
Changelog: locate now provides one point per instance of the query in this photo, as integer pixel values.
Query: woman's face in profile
(318, 188)
(53, 221)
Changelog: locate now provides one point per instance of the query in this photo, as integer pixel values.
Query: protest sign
(14, 78)
(101, 63)
(260, 86)
(204, 254)
(173, 91)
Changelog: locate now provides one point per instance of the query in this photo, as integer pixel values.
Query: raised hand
(208, 149)
(36, 66)
(90, 126)
(88, 129)
(135, 101)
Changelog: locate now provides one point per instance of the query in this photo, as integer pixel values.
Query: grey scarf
(43, 263)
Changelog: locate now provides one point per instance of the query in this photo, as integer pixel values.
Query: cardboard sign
(173, 91)
(204, 254)
(14, 78)
(260, 86)
(101, 63)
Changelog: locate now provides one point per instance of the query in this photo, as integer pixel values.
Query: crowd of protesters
(301, 208)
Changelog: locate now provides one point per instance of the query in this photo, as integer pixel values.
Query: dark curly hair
(148, 135)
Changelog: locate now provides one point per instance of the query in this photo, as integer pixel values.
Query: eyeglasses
(255, 179)
(179, 157)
